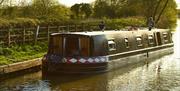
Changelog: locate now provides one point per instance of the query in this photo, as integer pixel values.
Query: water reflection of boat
(92, 52)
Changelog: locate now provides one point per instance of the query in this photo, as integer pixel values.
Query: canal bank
(15, 67)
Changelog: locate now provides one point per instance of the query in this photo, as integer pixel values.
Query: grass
(20, 53)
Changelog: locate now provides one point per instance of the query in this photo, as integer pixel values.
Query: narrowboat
(102, 51)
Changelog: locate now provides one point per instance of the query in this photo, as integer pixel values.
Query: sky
(72, 2)
(178, 3)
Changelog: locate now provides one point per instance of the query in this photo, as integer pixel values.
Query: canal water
(162, 74)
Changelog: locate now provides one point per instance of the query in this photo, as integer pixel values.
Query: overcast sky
(72, 2)
(178, 3)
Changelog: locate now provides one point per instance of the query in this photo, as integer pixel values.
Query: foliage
(76, 10)
(4, 23)
(82, 10)
(20, 22)
(21, 53)
(50, 12)
(158, 9)
(101, 9)
(86, 9)
(125, 22)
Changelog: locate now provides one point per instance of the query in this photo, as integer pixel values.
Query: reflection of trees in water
(21, 82)
(158, 77)
(96, 82)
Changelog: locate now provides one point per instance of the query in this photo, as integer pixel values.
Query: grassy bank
(20, 53)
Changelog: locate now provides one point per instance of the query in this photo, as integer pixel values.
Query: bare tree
(1, 2)
(156, 9)
(161, 12)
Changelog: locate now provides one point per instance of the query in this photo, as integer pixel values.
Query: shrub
(124, 22)
(1, 51)
(21, 22)
(18, 53)
(4, 23)
(7, 51)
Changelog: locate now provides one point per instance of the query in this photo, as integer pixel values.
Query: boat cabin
(98, 43)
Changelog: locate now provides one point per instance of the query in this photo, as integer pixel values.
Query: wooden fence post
(75, 27)
(48, 32)
(83, 27)
(24, 35)
(89, 26)
(58, 28)
(9, 36)
(67, 28)
(36, 34)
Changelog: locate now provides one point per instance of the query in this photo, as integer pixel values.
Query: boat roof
(94, 33)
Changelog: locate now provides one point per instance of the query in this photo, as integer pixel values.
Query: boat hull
(144, 57)
(112, 61)
(63, 68)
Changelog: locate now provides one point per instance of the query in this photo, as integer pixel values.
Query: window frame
(139, 41)
(165, 37)
(113, 43)
(126, 40)
(150, 37)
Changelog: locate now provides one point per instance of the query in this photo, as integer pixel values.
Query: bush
(24, 22)
(22, 52)
(115, 23)
(124, 22)
(7, 51)
(1, 51)
(4, 23)
(168, 20)
(19, 22)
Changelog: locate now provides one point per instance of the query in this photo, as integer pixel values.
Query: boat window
(165, 37)
(84, 46)
(76, 46)
(150, 39)
(111, 45)
(126, 42)
(55, 45)
(99, 45)
(139, 41)
(71, 46)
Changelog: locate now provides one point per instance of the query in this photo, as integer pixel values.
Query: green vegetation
(21, 53)
(125, 22)
(50, 12)
(163, 11)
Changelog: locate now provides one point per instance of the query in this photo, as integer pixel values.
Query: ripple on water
(160, 74)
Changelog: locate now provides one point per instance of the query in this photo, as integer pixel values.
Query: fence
(13, 35)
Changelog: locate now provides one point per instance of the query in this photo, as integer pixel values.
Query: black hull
(115, 61)
(64, 68)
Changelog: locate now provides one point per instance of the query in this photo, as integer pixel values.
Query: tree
(100, 8)
(86, 9)
(160, 14)
(43, 7)
(108, 8)
(76, 10)
(156, 8)
(1, 1)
